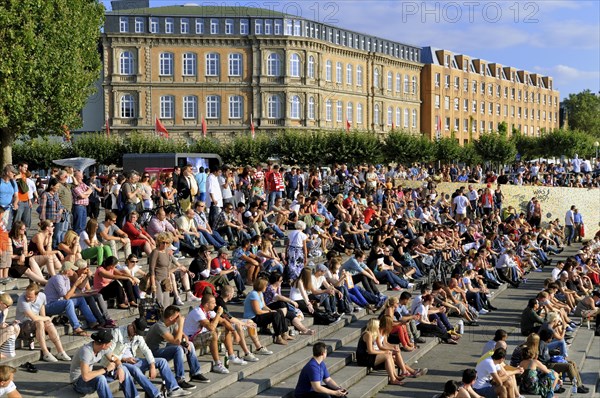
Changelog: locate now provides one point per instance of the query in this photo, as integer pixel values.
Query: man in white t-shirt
(324, 291)
(492, 370)
(214, 196)
(570, 225)
(201, 327)
(473, 196)
(460, 204)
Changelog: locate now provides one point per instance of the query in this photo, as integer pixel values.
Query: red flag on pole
(204, 128)
(160, 128)
(347, 126)
(107, 128)
(252, 127)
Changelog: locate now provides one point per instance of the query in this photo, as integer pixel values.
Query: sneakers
(582, 390)
(63, 356)
(49, 358)
(178, 302)
(180, 392)
(190, 297)
(410, 285)
(249, 357)
(264, 351)
(483, 311)
(200, 378)
(185, 385)
(219, 368)
(234, 359)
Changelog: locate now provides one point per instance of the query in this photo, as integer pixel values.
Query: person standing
(314, 380)
(201, 182)
(214, 197)
(94, 206)
(275, 185)
(577, 226)
(81, 199)
(186, 188)
(8, 194)
(66, 199)
(24, 202)
(570, 225)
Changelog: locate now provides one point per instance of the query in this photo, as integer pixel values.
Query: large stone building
(464, 97)
(184, 64)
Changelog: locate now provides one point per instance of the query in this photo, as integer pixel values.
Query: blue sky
(560, 38)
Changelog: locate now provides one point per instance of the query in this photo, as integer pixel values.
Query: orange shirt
(23, 197)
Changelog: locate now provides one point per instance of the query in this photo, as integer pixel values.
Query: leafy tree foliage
(40, 152)
(447, 150)
(404, 147)
(50, 60)
(495, 148)
(106, 150)
(565, 142)
(583, 110)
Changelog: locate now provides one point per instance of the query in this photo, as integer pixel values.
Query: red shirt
(217, 264)
(368, 213)
(347, 203)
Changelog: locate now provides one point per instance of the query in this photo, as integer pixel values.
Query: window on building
(169, 25)
(466, 105)
(338, 73)
(139, 25)
(189, 64)
(437, 79)
(398, 82)
(376, 119)
(376, 78)
(446, 103)
(339, 114)
(349, 112)
(446, 81)
(491, 108)
(437, 101)
(294, 65)
(447, 124)
(465, 124)
(297, 28)
(166, 64)
(466, 85)
(274, 107)
(212, 64)
(359, 76)
(214, 26)
(124, 24)
(328, 111)
(328, 71)
(235, 64)
(258, 26)
(456, 124)
(456, 104)
(126, 63)
(482, 107)
(244, 27)
(167, 104)
(213, 107)
(128, 106)
(153, 25)
(236, 106)
(229, 26)
(277, 27)
(482, 88)
(274, 65)
(398, 117)
(199, 26)
(390, 81)
(456, 83)
(268, 27)
(474, 107)
(190, 107)
(311, 67)
(311, 108)
(349, 74)
(406, 118)
(359, 113)
(295, 107)
(390, 115)
(474, 87)
(184, 26)
(406, 84)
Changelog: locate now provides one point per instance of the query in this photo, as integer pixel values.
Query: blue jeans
(79, 218)
(569, 233)
(560, 345)
(391, 278)
(357, 297)
(138, 369)
(61, 228)
(214, 239)
(23, 213)
(68, 308)
(278, 232)
(271, 266)
(100, 386)
(176, 353)
(273, 196)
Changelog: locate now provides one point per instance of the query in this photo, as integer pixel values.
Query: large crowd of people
(286, 245)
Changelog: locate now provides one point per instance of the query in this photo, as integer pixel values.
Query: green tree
(495, 148)
(528, 147)
(352, 147)
(106, 150)
(404, 147)
(40, 152)
(566, 142)
(144, 142)
(583, 111)
(50, 60)
(244, 150)
(447, 150)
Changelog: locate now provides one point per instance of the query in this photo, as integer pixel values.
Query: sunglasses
(133, 261)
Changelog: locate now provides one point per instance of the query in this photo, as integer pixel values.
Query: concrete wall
(555, 200)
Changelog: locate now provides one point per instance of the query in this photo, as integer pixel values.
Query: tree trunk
(7, 139)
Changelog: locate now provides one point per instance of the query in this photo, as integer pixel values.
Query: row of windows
(274, 109)
(276, 27)
(483, 125)
(489, 88)
(490, 106)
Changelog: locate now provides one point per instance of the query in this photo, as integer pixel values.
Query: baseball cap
(102, 336)
(140, 326)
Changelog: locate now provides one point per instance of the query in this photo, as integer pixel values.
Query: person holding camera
(314, 380)
(166, 340)
(86, 380)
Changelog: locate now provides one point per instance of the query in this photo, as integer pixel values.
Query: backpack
(150, 310)
(324, 318)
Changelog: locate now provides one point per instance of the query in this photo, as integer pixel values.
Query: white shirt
(193, 319)
(484, 370)
(473, 195)
(569, 218)
(461, 204)
(8, 389)
(213, 189)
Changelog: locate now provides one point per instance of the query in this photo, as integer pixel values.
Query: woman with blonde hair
(70, 247)
(386, 324)
(399, 330)
(371, 357)
(91, 248)
(8, 332)
(41, 247)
